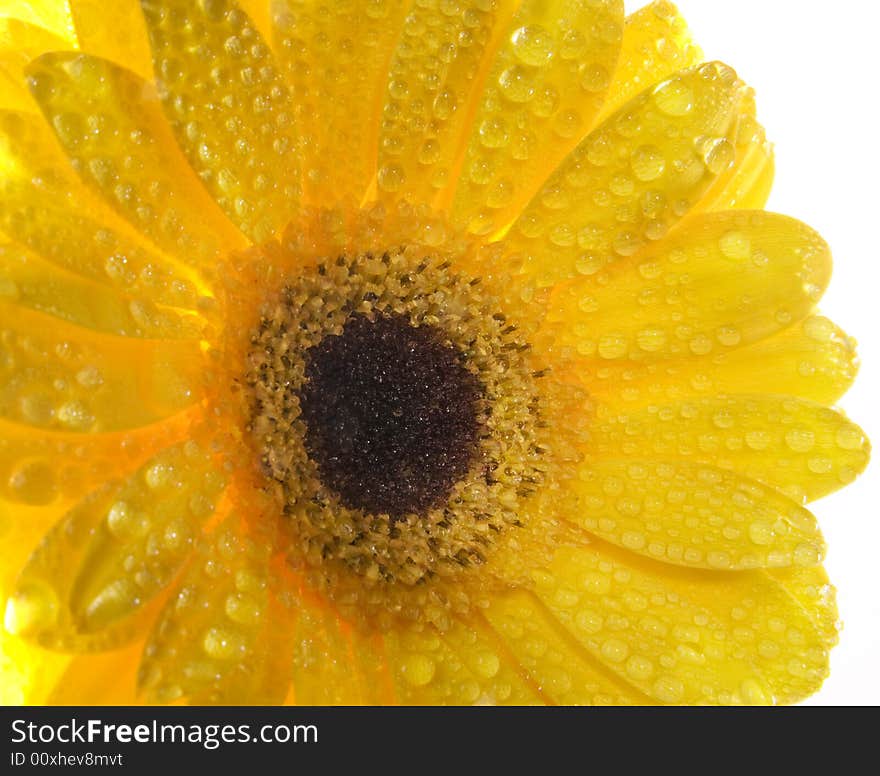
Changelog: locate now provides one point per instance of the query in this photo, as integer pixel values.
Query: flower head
(432, 352)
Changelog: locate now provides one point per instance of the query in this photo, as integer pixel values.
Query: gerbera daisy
(418, 352)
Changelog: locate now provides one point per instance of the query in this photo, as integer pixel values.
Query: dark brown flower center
(392, 416)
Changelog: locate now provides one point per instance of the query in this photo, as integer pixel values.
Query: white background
(814, 67)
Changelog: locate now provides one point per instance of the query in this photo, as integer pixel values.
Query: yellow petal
(721, 281)
(61, 376)
(30, 281)
(747, 181)
(683, 636)
(436, 76)
(214, 642)
(804, 449)
(630, 180)
(813, 359)
(45, 207)
(131, 158)
(51, 15)
(120, 37)
(336, 57)
(656, 44)
(229, 107)
(690, 515)
(566, 674)
(21, 42)
(545, 88)
(466, 664)
(90, 580)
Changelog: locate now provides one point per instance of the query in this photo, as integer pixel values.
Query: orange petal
(28, 280)
(61, 376)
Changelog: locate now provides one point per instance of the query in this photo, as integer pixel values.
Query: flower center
(392, 415)
(393, 410)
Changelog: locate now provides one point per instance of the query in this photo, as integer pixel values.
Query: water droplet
(390, 177)
(849, 437)
(33, 482)
(612, 346)
(516, 84)
(801, 440)
(648, 163)
(719, 155)
(735, 246)
(222, 644)
(418, 669)
(674, 97)
(532, 45)
(614, 650)
(494, 133)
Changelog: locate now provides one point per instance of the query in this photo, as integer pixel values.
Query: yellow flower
(430, 352)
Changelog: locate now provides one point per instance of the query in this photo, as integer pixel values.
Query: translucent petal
(122, 40)
(127, 152)
(335, 57)
(27, 672)
(684, 636)
(27, 280)
(690, 515)
(465, 665)
(54, 468)
(60, 376)
(215, 642)
(656, 44)
(630, 180)
(44, 206)
(21, 42)
(100, 679)
(88, 584)
(804, 449)
(544, 91)
(812, 359)
(229, 108)
(436, 76)
(721, 281)
(566, 674)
